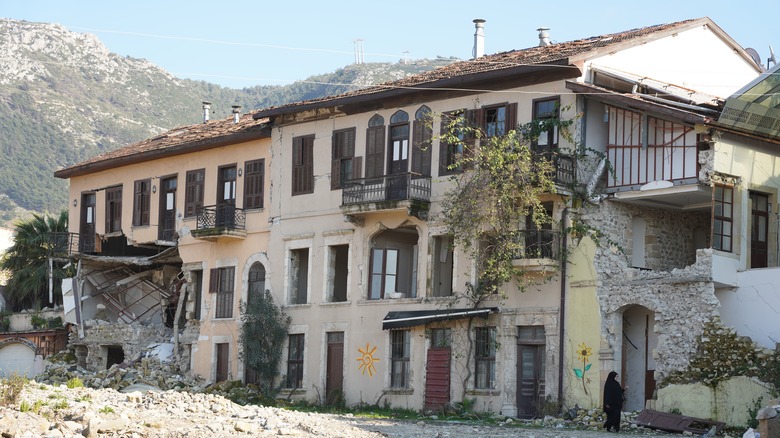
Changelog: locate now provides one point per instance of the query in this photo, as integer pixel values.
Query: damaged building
(331, 205)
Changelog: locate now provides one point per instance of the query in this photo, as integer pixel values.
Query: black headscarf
(613, 392)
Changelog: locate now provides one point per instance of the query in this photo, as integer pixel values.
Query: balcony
(564, 165)
(64, 245)
(539, 249)
(405, 191)
(217, 221)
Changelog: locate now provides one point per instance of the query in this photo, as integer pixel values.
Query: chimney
(544, 36)
(236, 113)
(206, 108)
(479, 38)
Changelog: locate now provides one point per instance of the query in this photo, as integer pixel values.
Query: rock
(766, 413)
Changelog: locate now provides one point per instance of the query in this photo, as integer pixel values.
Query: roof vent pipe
(236, 113)
(479, 38)
(544, 36)
(206, 108)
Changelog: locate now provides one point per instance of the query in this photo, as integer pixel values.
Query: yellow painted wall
(583, 328)
(730, 401)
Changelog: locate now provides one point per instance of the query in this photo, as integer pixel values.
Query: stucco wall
(730, 401)
(753, 308)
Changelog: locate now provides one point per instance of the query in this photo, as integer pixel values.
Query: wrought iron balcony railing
(564, 165)
(399, 187)
(217, 219)
(63, 244)
(539, 244)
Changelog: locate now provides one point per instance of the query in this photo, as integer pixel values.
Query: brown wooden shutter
(254, 172)
(357, 168)
(138, 191)
(343, 147)
(511, 117)
(303, 165)
(214, 280)
(421, 148)
(193, 192)
(375, 151)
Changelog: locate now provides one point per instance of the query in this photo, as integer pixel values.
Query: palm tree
(27, 261)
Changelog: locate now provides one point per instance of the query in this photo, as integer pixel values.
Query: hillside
(64, 97)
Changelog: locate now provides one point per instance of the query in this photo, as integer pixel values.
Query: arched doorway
(17, 357)
(639, 341)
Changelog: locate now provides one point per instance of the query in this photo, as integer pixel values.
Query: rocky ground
(148, 399)
(44, 410)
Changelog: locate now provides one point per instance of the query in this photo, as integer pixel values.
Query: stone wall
(135, 340)
(678, 288)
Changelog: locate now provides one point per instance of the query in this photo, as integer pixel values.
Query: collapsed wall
(675, 283)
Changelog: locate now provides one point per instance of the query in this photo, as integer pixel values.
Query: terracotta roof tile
(177, 138)
(188, 136)
(515, 58)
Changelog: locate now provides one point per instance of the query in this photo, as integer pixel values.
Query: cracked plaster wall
(678, 288)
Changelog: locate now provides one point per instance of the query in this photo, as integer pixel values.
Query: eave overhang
(443, 88)
(169, 151)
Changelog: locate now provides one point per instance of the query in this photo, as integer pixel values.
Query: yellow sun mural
(367, 360)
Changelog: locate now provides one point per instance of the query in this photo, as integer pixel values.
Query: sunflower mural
(367, 360)
(583, 355)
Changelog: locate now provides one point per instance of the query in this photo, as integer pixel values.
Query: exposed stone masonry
(678, 288)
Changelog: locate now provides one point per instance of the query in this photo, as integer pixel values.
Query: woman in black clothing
(613, 402)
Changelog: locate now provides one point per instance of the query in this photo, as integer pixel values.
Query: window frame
(302, 181)
(344, 164)
(400, 359)
(485, 357)
(296, 344)
(222, 284)
(384, 275)
(553, 137)
(722, 219)
(254, 184)
(422, 141)
(142, 201)
(296, 294)
(113, 209)
(194, 190)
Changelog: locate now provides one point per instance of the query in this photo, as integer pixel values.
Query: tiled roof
(566, 51)
(177, 140)
(191, 137)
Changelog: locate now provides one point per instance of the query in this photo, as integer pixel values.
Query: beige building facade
(333, 205)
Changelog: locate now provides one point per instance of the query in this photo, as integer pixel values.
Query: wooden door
(167, 222)
(334, 374)
(530, 379)
(226, 197)
(759, 225)
(87, 226)
(223, 351)
(398, 161)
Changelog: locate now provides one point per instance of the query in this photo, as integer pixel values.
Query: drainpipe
(562, 311)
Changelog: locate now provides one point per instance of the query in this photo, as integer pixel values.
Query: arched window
(375, 147)
(423, 113)
(256, 286)
(376, 120)
(399, 116)
(422, 134)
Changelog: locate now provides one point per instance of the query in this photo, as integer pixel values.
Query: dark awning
(411, 318)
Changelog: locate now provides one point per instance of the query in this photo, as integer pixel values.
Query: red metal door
(437, 378)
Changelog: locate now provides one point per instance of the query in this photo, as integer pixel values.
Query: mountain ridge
(65, 97)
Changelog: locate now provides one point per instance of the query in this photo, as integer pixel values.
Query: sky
(243, 44)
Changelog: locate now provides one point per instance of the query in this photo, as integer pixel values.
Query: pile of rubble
(584, 419)
(147, 371)
(58, 411)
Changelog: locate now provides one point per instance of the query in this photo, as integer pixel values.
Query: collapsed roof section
(143, 289)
